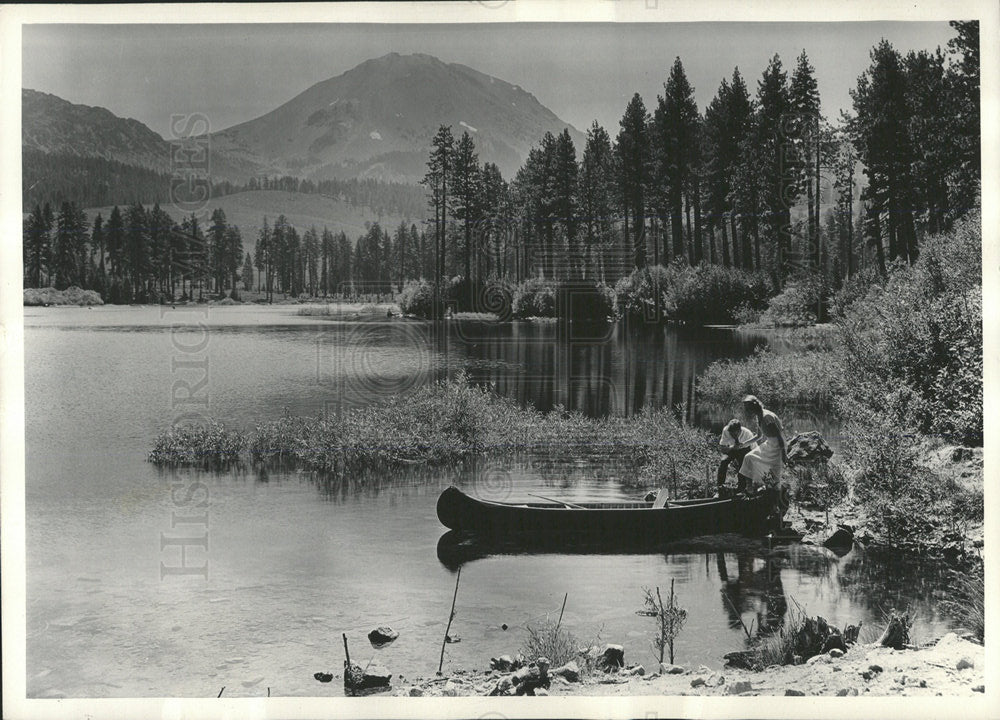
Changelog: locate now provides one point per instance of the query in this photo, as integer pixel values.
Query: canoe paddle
(561, 502)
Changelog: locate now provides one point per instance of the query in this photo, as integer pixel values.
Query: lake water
(115, 610)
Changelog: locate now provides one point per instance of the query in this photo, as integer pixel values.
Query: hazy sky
(581, 72)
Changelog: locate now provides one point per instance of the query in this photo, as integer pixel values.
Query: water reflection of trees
(614, 369)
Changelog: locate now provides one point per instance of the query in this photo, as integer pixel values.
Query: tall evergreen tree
(437, 180)
(963, 92)
(564, 203)
(805, 131)
(597, 197)
(632, 148)
(880, 131)
(778, 190)
(675, 123)
(465, 196)
(36, 248)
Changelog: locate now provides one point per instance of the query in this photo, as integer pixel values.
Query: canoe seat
(661, 499)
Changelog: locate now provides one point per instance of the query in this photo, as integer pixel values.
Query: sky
(580, 71)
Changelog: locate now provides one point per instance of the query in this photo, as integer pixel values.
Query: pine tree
(675, 124)
(727, 124)
(233, 241)
(247, 274)
(64, 256)
(597, 198)
(805, 131)
(310, 246)
(36, 248)
(465, 194)
(778, 190)
(880, 133)
(632, 149)
(930, 131)
(97, 246)
(564, 202)
(963, 92)
(437, 181)
(326, 256)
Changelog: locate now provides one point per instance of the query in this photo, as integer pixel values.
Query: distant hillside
(247, 210)
(377, 120)
(52, 125)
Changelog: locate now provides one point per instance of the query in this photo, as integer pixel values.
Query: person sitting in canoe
(735, 443)
(769, 456)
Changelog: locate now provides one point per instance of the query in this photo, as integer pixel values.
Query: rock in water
(416, 692)
(382, 636)
(612, 658)
(842, 539)
(668, 669)
(836, 652)
(740, 686)
(323, 677)
(358, 678)
(697, 682)
(964, 663)
(794, 693)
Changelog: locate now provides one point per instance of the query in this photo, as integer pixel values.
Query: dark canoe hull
(624, 523)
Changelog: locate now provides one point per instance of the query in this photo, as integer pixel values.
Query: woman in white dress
(769, 456)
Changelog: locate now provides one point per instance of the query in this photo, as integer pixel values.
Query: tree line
(139, 254)
(757, 181)
(55, 178)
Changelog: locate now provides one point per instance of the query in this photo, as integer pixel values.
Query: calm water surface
(290, 566)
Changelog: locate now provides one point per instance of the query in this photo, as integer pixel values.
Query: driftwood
(897, 632)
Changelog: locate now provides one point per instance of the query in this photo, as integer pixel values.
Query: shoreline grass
(443, 423)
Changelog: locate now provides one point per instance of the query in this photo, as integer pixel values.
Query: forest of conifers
(759, 182)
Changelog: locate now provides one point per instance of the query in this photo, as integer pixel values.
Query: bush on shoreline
(535, 298)
(70, 296)
(701, 295)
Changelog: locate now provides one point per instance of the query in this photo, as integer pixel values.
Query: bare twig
(221, 691)
(562, 611)
(738, 616)
(451, 616)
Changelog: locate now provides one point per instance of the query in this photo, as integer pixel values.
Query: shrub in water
(710, 294)
(535, 298)
(635, 295)
(417, 299)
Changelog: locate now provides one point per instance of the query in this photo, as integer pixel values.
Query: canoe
(624, 522)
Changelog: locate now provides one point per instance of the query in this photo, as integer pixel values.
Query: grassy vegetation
(208, 446)
(810, 378)
(443, 423)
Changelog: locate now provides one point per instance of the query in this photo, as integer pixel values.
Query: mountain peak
(377, 120)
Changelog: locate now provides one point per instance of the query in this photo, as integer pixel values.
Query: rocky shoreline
(951, 666)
